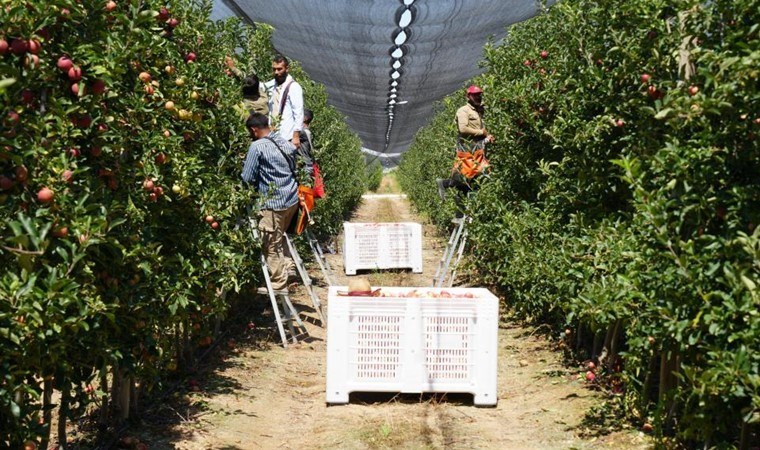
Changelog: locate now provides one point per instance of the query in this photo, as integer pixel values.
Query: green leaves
(622, 191)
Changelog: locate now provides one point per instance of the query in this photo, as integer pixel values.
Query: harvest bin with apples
(412, 340)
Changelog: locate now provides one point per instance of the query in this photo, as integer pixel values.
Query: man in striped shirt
(270, 168)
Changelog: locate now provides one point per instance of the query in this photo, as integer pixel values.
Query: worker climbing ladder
(319, 256)
(290, 315)
(289, 318)
(446, 270)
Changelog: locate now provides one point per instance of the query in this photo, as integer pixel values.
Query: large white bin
(382, 246)
(413, 345)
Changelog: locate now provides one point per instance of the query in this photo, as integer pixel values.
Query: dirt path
(264, 396)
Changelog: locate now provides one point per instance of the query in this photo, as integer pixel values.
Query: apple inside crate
(413, 340)
(377, 246)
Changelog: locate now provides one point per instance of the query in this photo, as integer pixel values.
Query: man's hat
(474, 90)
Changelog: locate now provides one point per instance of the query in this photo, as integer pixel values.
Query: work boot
(440, 182)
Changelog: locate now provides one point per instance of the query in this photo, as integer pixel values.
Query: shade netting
(384, 63)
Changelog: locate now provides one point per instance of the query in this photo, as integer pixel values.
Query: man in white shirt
(285, 102)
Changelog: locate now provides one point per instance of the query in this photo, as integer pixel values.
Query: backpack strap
(291, 163)
(284, 96)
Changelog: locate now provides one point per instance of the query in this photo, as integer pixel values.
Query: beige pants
(272, 226)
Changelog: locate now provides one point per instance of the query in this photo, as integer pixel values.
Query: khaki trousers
(272, 226)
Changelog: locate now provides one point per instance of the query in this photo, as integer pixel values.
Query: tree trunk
(125, 388)
(104, 406)
(596, 346)
(63, 413)
(647, 386)
(47, 410)
(134, 396)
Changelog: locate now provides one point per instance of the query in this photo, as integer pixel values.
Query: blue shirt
(269, 171)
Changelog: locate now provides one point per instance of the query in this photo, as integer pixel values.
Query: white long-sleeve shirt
(290, 119)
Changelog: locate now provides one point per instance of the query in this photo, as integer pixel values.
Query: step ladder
(307, 281)
(446, 272)
(319, 256)
(290, 317)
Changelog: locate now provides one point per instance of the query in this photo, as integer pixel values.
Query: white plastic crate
(382, 246)
(413, 345)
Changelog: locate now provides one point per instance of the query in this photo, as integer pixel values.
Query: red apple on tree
(144, 77)
(215, 225)
(22, 173)
(190, 57)
(19, 47)
(98, 87)
(27, 97)
(75, 73)
(34, 46)
(163, 15)
(148, 184)
(544, 54)
(67, 176)
(31, 60)
(45, 195)
(110, 6)
(693, 90)
(645, 77)
(64, 63)
(3, 46)
(12, 118)
(5, 183)
(209, 219)
(173, 22)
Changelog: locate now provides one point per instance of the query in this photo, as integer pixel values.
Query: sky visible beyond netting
(385, 63)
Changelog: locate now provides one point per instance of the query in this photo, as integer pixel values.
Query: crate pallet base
(437, 342)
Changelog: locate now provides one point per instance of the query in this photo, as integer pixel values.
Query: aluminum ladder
(324, 265)
(446, 272)
(305, 279)
(290, 317)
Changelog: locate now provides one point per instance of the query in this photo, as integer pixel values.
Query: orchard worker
(471, 142)
(270, 168)
(255, 97)
(285, 102)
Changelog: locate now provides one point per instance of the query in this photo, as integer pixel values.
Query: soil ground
(257, 395)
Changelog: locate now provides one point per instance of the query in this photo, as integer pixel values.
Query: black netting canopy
(385, 62)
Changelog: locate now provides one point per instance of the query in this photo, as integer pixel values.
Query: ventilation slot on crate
(377, 347)
(448, 347)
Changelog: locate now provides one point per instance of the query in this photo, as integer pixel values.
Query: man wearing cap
(472, 136)
(472, 130)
